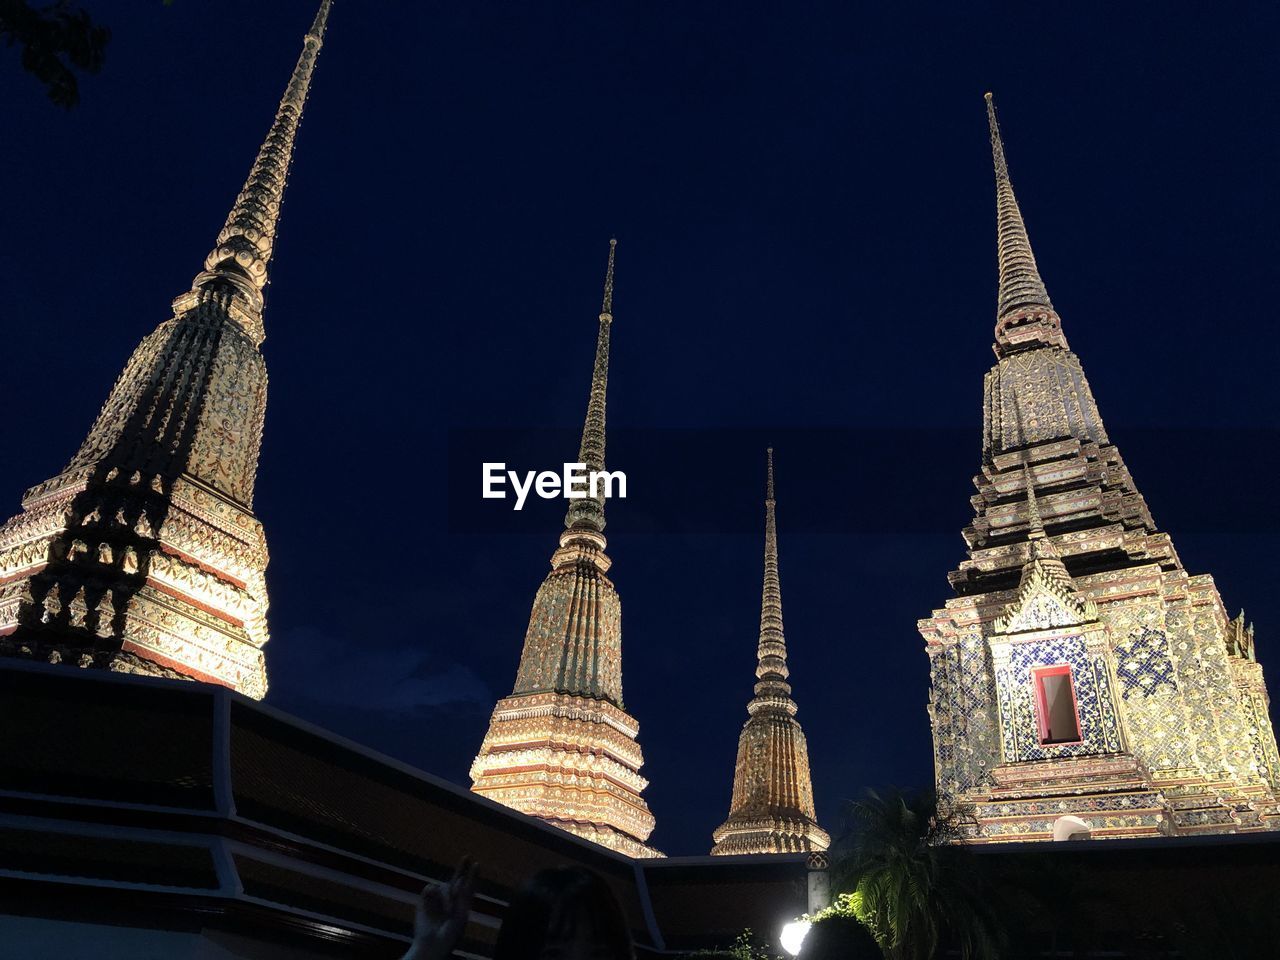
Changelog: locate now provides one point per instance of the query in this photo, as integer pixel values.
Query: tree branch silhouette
(54, 39)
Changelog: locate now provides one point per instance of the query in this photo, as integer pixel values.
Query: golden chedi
(144, 555)
(772, 806)
(562, 747)
(1083, 682)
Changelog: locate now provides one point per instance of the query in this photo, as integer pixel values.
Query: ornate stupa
(562, 747)
(1083, 682)
(144, 555)
(772, 806)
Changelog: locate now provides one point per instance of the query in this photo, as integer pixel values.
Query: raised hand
(442, 914)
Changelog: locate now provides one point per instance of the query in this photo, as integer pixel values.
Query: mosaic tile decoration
(1143, 667)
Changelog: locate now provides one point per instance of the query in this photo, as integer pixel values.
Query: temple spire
(587, 513)
(606, 305)
(771, 810)
(321, 20)
(245, 245)
(771, 652)
(1022, 297)
(167, 471)
(1070, 647)
(562, 747)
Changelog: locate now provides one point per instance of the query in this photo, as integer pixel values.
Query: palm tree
(915, 889)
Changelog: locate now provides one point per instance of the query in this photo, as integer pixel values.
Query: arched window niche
(1056, 708)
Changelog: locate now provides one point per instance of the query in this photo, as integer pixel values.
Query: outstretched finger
(466, 884)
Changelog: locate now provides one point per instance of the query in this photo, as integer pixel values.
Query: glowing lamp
(793, 934)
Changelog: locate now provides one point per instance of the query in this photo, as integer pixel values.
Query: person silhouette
(564, 913)
(839, 938)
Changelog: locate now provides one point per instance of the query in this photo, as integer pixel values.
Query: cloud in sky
(307, 663)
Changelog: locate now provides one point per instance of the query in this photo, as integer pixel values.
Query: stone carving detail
(106, 612)
(77, 609)
(225, 452)
(175, 584)
(575, 607)
(1170, 701)
(1037, 396)
(52, 605)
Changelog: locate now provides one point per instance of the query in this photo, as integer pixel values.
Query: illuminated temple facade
(772, 806)
(562, 746)
(144, 555)
(1083, 682)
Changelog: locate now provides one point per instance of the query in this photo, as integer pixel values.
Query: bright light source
(793, 935)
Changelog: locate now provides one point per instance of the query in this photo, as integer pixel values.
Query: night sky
(803, 201)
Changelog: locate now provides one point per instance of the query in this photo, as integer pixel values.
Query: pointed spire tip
(1021, 293)
(587, 513)
(997, 142)
(769, 457)
(606, 307)
(245, 245)
(322, 18)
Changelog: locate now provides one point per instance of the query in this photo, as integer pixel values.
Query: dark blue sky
(803, 200)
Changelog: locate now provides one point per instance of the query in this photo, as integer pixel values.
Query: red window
(1056, 704)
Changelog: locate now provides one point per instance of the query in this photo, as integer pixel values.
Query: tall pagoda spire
(562, 747)
(772, 807)
(150, 529)
(1082, 680)
(771, 652)
(247, 240)
(1038, 390)
(1024, 312)
(587, 513)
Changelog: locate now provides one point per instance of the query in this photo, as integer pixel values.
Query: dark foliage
(54, 39)
(918, 892)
